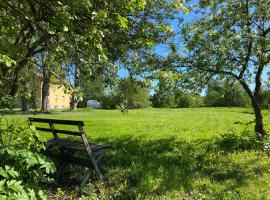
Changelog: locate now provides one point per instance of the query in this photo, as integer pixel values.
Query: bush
(225, 94)
(134, 92)
(188, 100)
(110, 101)
(264, 99)
(22, 167)
(245, 141)
(6, 102)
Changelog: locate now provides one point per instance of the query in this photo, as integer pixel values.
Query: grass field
(175, 154)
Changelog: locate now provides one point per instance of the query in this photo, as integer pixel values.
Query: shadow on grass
(247, 112)
(166, 164)
(19, 112)
(153, 167)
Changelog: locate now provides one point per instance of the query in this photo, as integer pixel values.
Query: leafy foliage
(229, 39)
(169, 93)
(127, 94)
(111, 101)
(225, 94)
(134, 92)
(84, 33)
(164, 93)
(184, 99)
(22, 167)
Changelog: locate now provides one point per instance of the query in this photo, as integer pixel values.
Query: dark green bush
(110, 101)
(134, 92)
(225, 94)
(22, 167)
(129, 93)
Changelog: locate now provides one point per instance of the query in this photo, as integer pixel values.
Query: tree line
(137, 94)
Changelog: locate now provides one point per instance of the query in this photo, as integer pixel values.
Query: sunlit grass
(177, 153)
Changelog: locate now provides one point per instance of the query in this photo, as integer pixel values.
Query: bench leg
(63, 164)
(86, 177)
(60, 170)
(98, 156)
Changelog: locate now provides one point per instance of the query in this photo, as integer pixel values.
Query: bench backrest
(55, 131)
(80, 133)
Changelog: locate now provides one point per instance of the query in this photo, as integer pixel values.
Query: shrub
(22, 167)
(134, 92)
(243, 142)
(188, 100)
(6, 102)
(110, 101)
(225, 94)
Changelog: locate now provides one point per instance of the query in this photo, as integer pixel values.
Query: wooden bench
(68, 147)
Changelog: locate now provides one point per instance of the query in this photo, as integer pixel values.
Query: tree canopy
(89, 32)
(230, 39)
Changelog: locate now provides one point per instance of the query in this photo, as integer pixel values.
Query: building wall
(58, 98)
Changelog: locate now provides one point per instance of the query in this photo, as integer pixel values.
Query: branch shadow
(154, 167)
(161, 165)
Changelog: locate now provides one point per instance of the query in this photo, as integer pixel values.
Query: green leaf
(179, 5)
(42, 195)
(3, 173)
(65, 29)
(123, 21)
(7, 60)
(51, 30)
(151, 43)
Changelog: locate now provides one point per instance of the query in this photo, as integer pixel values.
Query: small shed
(93, 104)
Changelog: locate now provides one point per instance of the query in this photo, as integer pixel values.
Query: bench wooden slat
(43, 129)
(57, 121)
(68, 147)
(78, 145)
(59, 131)
(68, 132)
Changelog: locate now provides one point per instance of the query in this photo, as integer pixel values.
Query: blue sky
(163, 50)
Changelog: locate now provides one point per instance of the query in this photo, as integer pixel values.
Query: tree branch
(54, 73)
(265, 32)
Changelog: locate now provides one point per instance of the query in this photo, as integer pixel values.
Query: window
(55, 97)
(63, 98)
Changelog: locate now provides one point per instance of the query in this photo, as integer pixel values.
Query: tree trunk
(45, 103)
(259, 129)
(14, 84)
(25, 105)
(73, 103)
(74, 99)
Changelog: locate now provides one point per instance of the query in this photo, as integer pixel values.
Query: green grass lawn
(175, 154)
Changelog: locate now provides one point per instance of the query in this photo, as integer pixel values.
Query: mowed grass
(175, 154)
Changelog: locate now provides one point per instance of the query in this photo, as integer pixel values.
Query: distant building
(57, 97)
